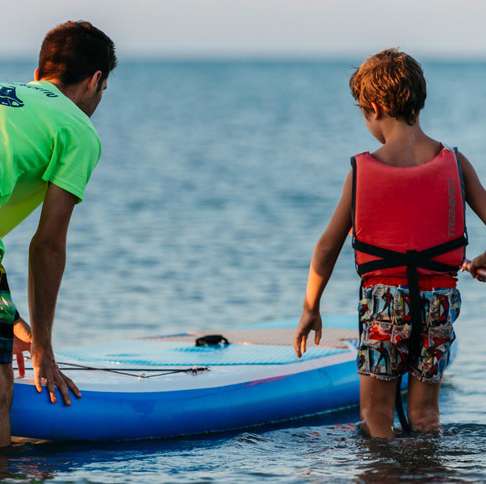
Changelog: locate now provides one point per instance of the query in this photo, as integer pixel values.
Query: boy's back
(404, 207)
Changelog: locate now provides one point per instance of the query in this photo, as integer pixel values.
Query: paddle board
(167, 386)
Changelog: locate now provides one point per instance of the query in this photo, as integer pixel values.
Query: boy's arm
(475, 192)
(325, 255)
(476, 199)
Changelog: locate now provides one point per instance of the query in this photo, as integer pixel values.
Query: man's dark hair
(392, 79)
(73, 51)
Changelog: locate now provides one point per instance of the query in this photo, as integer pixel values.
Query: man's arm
(47, 257)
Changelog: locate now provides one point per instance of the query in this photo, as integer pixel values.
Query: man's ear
(36, 74)
(94, 81)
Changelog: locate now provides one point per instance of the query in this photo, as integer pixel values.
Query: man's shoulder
(19, 95)
(35, 86)
(43, 103)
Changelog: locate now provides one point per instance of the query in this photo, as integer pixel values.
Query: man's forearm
(46, 267)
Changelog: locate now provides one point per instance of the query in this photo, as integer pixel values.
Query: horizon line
(268, 56)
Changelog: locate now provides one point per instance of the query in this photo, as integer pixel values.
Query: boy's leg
(426, 370)
(6, 390)
(380, 359)
(423, 405)
(377, 406)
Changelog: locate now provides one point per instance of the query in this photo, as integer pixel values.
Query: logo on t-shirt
(8, 97)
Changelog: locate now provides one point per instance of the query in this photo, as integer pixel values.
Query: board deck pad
(331, 337)
(177, 353)
(167, 386)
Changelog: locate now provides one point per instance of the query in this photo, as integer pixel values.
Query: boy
(405, 204)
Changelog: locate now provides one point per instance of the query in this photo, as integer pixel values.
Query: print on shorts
(384, 312)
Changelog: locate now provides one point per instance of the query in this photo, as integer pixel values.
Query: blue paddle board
(167, 386)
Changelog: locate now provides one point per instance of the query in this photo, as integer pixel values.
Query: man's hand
(22, 341)
(45, 368)
(310, 320)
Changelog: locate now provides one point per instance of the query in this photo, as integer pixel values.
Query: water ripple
(213, 189)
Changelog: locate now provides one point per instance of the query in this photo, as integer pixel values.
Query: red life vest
(409, 227)
(406, 210)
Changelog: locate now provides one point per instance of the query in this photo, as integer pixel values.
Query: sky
(256, 28)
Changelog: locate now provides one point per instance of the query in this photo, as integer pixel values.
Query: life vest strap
(412, 258)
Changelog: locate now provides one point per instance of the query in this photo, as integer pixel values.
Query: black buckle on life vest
(412, 259)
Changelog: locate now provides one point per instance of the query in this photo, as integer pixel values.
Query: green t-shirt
(44, 137)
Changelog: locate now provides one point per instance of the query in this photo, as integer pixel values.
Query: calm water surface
(216, 180)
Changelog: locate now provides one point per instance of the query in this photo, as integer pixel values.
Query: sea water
(216, 180)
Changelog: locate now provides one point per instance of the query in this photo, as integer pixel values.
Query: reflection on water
(317, 450)
(407, 458)
(455, 456)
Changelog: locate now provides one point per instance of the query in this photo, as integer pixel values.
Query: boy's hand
(310, 320)
(476, 267)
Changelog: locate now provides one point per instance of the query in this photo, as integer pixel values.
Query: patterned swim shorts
(384, 313)
(8, 314)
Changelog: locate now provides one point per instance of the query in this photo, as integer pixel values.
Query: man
(48, 150)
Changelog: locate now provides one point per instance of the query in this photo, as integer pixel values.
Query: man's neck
(72, 92)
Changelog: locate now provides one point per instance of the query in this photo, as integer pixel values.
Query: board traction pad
(248, 347)
(160, 353)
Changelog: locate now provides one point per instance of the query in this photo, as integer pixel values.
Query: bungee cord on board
(195, 370)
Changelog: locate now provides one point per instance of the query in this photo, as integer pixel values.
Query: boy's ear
(377, 112)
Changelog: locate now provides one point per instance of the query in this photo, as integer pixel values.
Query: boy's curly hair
(392, 79)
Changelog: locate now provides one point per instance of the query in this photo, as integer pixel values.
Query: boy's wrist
(311, 309)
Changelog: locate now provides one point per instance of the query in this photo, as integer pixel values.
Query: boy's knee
(378, 411)
(378, 422)
(425, 419)
(381, 411)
